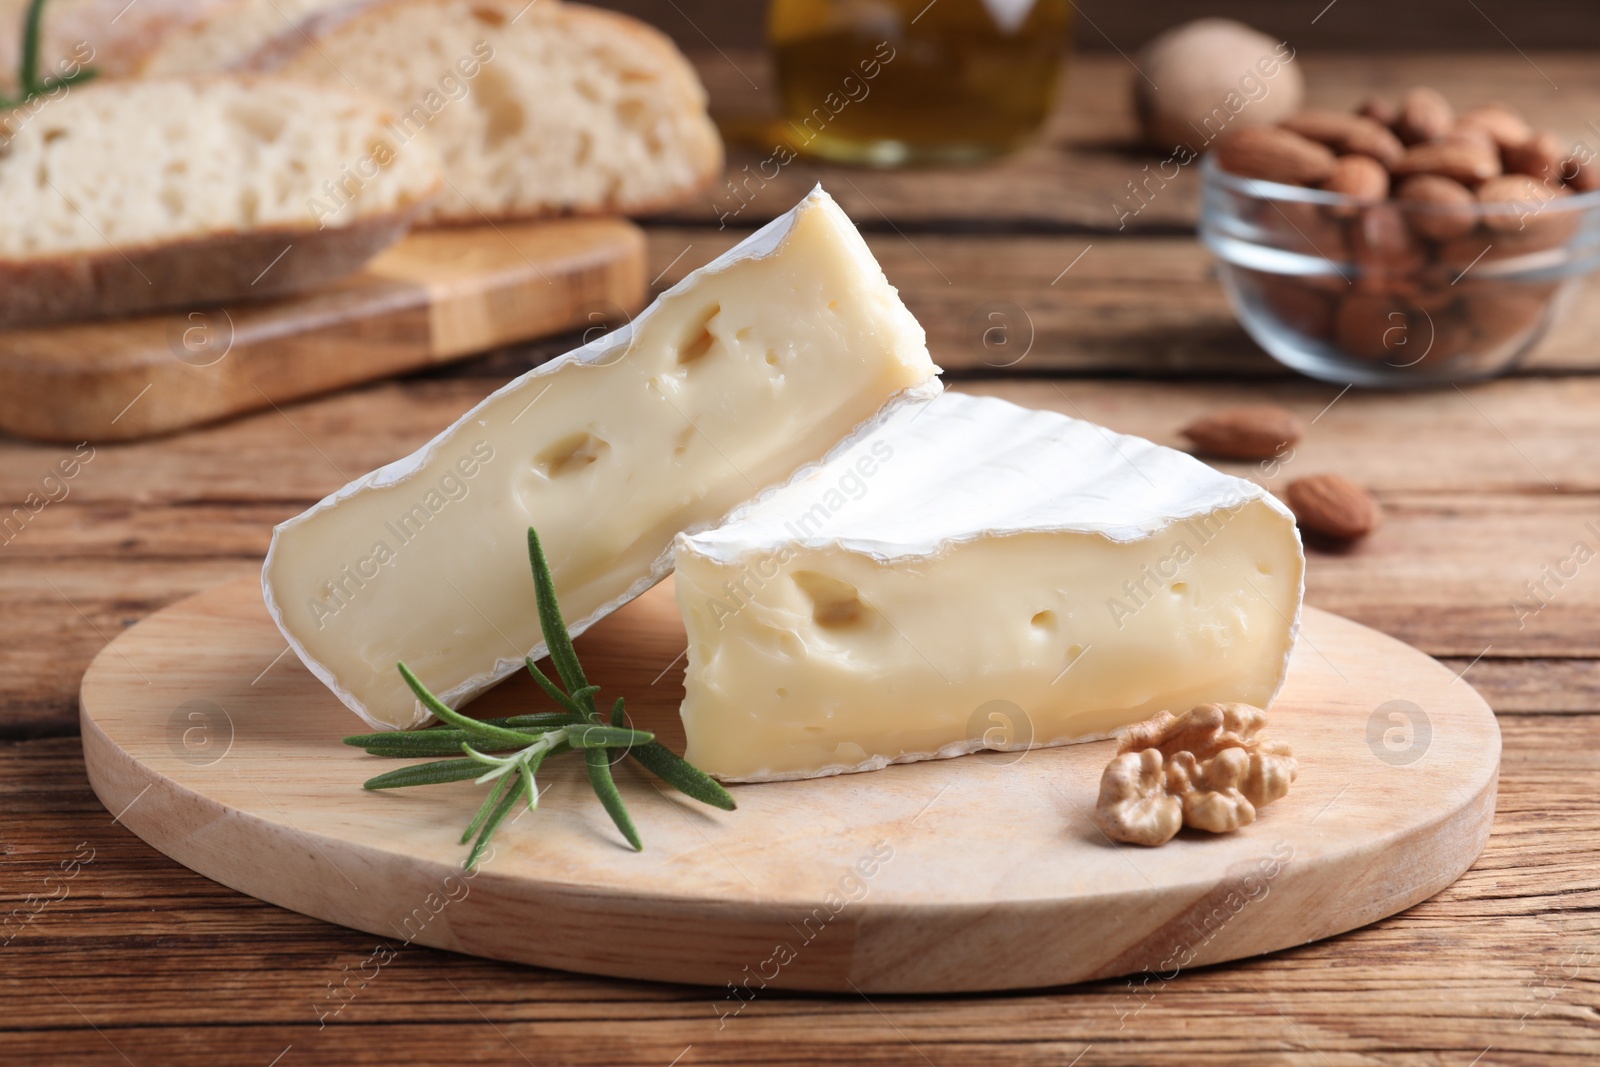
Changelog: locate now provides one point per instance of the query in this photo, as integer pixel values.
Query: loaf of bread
(150, 37)
(536, 108)
(226, 36)
(113, 36)
(126, 196)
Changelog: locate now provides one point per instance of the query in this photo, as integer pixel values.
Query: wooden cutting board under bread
(205, 738)
(437, 296)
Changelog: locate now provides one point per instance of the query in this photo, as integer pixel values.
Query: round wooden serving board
(982, 872)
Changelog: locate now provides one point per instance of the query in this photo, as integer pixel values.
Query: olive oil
(887, 82)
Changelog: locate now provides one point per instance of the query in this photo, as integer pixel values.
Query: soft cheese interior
(740, 375)
(978, 575)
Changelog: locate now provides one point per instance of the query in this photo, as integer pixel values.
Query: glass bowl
(1389, 293)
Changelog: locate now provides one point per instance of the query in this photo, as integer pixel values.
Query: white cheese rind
(729, 384)
(976, 575)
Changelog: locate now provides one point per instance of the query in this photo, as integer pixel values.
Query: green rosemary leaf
(437, 742)
(514, 748)
(606, 789)
(530, 786)
(483, 732)
(531, 723)
(430, 735)
(540, 719)
(493, 824)
(592, 736)
(554, 627)
(450, 770)
(682, 775)
(510, 722)
(553, 691)
(28, 73)
(503, 788)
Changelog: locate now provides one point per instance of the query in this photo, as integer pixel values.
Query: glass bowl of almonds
(1400, 245)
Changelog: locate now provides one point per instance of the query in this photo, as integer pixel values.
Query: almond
(1322, 124)
(1500, 314)
(1503, 125)
(1466, 160)
(1359, 177)
(1346, 133)
(1473, 137)
(1425, 115)
(1437, 207)
(1430, 294)
(1256, 431)
(1583, 175)
(1383, 246)
(1376, 141)
(1301, 227)
(1525, 196)
(1458, 254)
(1378, 110)
(1539, 156)
(1515, 188)
(1299, 304)
(1373, 326)
(1276, 155)
(1333, 505)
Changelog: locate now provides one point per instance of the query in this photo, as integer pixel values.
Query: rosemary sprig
(529, 740)
(28, 80)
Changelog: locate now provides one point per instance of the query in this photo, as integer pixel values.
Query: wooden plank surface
(163, 965)
(137, 960)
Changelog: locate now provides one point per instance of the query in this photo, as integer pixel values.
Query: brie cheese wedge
(741, 374)
(978, 575)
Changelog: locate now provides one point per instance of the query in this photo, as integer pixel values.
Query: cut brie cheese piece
(744, 372)
(978, 575)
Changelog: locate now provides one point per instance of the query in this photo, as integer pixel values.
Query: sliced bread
(134, 195)
(538, 108)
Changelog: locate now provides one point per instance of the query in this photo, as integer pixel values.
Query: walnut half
(1208, 768)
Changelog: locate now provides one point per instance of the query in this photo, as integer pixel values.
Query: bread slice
(537, 108)
(124, 196)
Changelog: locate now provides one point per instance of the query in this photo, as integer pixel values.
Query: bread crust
(276, 51)
(167, 54)
(703, 147)
(122, 35)
(217, 268)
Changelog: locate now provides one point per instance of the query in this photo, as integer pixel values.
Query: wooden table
(114, 954)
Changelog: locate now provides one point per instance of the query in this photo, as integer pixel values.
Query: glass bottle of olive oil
(889, 82)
